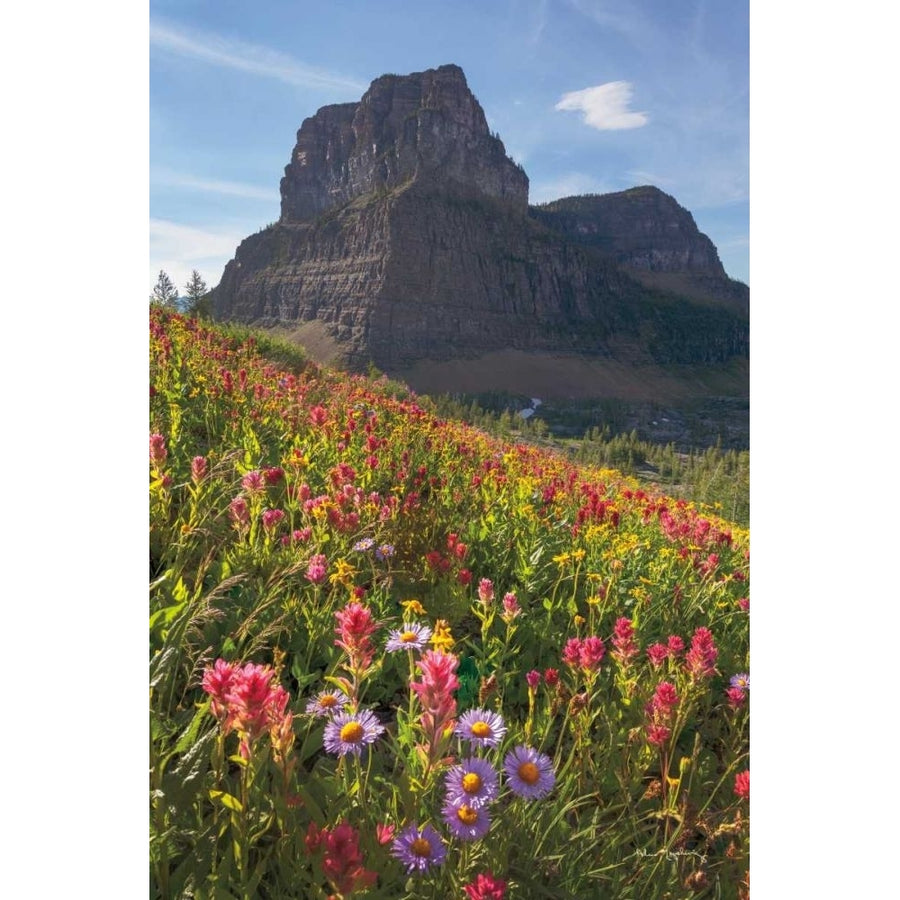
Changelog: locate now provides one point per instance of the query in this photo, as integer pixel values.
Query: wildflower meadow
(394, 657)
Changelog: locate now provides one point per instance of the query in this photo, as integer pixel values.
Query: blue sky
(590, 96)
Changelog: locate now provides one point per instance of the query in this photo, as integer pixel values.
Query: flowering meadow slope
(393, 657)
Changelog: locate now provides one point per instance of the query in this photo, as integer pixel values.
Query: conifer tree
(164, 292)
(196, 290)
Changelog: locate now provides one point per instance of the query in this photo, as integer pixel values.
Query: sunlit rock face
(405, 128)
(405, 234)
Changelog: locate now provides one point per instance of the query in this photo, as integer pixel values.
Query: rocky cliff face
(642, 229)
(414, 127)
(405, 232)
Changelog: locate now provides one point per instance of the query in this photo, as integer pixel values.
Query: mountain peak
(404, 128)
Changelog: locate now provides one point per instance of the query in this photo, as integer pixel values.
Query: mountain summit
(415, 127)
(406, 236)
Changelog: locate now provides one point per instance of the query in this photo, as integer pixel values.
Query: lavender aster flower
(741, 681)
(327, 703)
(473, 782)
(481, 727)
(466, 822)
(529, 773)
(409, 637)
(384, 551)
(419, 850)
(349, 732)
(363, 545)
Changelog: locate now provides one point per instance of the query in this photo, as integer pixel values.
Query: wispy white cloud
(538, 23)
(568, 185)
(187, 243)
(179, 249)
(230, 53)
(605, 106)
(166, 178)
(625, 18)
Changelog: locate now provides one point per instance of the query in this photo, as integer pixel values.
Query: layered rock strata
(405, 232)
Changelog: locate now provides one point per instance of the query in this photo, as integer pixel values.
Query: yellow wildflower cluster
(413, 608)
(343, 573)
(442, 639)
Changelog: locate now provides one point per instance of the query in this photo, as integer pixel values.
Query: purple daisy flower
(350, 732)
(481, 727)
(327, 703)
(363, 545)
(741, 681)
(409, 637)
(466, 822)
(529, 773)
(417, 849)
(473, 782)
(384, 551)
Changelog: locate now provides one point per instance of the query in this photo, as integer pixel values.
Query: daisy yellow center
(481, 729)
(352, 733)
(408, 637)
(420, 847)
(471, 782)
(328, 701)
(529, 773)
(467, 815)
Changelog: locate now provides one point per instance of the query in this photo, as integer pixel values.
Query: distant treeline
(719, 478)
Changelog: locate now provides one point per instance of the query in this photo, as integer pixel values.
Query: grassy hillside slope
(351, 598)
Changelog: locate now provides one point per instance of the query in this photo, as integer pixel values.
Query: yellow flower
(442, 639)
(343, 573)
(578, 554)
(562, 559)
(579, 621)
(413, 607)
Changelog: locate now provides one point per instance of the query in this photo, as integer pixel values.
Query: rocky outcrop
(641, 228)
(405, 232)
(415, 127)
(647, 233)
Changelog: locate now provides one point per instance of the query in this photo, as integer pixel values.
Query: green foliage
(164, 292)
(259, 473)
(712, 476)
